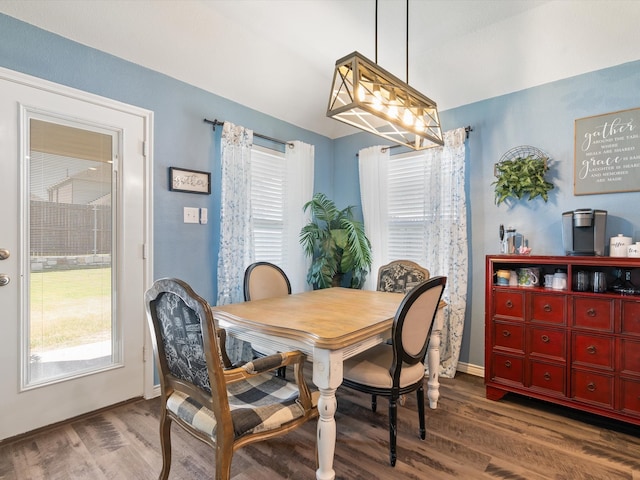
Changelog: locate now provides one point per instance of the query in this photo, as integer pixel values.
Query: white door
(75, 189)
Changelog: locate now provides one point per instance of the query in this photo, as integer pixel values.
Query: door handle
(4, 253)
(4, 279)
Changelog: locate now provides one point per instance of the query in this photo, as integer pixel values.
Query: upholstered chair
(265, 280)
(227, 408)
(400, 276)
(396, 369)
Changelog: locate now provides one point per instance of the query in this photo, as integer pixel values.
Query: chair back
(265, 280)
(400, 276)
(185, 341)
(413, 323)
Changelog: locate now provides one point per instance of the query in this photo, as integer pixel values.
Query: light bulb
(361, 93)
(393, 111)
(407, 118)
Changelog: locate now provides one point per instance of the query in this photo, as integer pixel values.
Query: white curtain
(445, 235)
(299, 162)
(236, 246)
(373, 163)
(446, 239)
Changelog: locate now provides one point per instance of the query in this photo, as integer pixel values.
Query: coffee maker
(583, 231)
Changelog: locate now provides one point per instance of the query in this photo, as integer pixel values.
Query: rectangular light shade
(368, 97)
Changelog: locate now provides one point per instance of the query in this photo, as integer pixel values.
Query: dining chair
(226, 408)
(265, 280)
(396, 369)
(400, 276)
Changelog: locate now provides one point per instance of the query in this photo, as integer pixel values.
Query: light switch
(191, 215)
(203, 216)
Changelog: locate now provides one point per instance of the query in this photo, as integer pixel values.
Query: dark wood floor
(468, 437)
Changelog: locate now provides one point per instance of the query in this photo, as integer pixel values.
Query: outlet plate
(191, 215)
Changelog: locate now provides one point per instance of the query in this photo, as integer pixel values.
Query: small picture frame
(191, 181)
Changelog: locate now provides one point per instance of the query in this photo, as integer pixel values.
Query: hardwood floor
(468, 437)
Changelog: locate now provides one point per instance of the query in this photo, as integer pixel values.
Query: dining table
(329, 326)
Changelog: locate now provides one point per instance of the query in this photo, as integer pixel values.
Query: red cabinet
(578, 349)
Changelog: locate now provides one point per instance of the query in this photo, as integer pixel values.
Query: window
(268, 206)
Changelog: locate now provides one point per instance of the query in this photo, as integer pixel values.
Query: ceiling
(277, 56)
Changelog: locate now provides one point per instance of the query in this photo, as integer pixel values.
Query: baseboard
(476, 370)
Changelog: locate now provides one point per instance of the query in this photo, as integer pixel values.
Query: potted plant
(521, 176)
(337, 244)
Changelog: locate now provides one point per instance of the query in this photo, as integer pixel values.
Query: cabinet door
(630, 396)
(592, 387)
(548, 308)
(593, 313)
(631, 317)
(629, 351)
(509, 304)
(508, 336)
(509, 368)
(548, 377)
(592, 350)
(547, 342)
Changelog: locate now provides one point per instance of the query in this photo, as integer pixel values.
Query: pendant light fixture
(368, 97)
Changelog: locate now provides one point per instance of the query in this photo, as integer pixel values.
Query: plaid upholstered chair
(400, 276)
(395, 369)
(265, 280)
(226, 408)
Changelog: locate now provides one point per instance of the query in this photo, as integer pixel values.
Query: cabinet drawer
(592, 350)
(592, 387)
(593, 313)
(629, 356)
(630, 396)
(508, 336)
(549, 377)
(509, 304)
(547, 342)
(549, 308)
(631, 317)
(507, 368)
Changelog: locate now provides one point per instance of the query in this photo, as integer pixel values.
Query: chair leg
(282, 372)
(224, 455)
(165, 444)
(393, 429)
(374, 403)
(420, 395)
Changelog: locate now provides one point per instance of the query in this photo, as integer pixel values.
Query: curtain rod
(385, 148)
(216, 122)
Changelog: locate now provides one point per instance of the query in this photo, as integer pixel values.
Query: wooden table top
(331, 318)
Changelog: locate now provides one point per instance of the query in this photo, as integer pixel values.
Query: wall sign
(192, 181)
(607, 153)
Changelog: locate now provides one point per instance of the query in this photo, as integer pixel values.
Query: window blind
(268, 204)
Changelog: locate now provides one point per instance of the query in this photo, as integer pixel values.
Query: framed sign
(607, 153)
(192, 181)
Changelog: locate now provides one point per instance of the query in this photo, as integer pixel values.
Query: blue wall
(542, 117)
(181, 138)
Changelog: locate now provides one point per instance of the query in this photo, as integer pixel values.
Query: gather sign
(607, 153)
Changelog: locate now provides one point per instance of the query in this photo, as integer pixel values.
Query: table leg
(433, 360)
(327, 376)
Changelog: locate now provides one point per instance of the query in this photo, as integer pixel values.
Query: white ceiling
(277, 56)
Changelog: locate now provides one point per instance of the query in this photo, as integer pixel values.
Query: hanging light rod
(369, 97)
(217, 122)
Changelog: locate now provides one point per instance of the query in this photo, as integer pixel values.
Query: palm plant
(337, 244)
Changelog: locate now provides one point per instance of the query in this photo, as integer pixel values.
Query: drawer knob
(547, 308)
(591, 349)
(506, 333)
(507, 364)
(509, 304)
(591, 387)
(547, 376)
(591, 312)
(545, 338)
